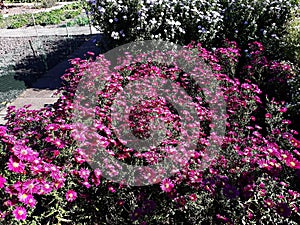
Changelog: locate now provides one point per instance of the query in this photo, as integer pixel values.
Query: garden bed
(17, 16)
(20, 8)
(149, 142)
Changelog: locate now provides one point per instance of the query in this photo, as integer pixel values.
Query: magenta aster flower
(24, 153)
(15, 165)
(230, 191)
(167, 185)
(292, 162)
(111, 189)
(2, 181)
(23, 197)
(58, 143)
(97, 173)
(31, 201)
(71, 195)
(20, 213)
(283, 209)
(295, 142)
(45, 188)
(193, 197)
(136, 214)
(52, 127)
(84, 174)
(2, 130)
(86, 184)
(269, 203)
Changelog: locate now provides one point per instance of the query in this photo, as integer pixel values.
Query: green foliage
(81, 21)
(17, 21)
(292, 38)
(48, 3)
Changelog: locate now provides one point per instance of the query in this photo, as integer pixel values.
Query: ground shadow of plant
(50, 54)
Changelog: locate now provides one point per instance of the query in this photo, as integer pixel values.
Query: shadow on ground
(46, 57)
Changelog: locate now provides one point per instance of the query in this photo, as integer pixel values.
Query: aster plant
(47, 178)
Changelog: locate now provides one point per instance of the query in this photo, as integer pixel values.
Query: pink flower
(24, 153)
(52, 127)
(20, 213)
(84, 173)
(269, 202)
(193, 197)
(97, 173)
(284, 109)
(112, 189)
(250, 215)
(295, 142)
(86, 184)
(91, 53)
(59, 183)
(15, 165)
(293, 163)
(167, 185)
(268, 115)
(2, 181)
(2, 131)
(58, 143)
(31, 202)
(283, 209)
(71, 195)
(45, 188)
(26, 198)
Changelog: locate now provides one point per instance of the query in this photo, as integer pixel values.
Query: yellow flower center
(24, 196)
(15, 164)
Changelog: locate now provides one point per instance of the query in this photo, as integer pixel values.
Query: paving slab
(44, 31)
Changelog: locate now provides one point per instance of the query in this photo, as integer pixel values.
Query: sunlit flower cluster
(46, 175)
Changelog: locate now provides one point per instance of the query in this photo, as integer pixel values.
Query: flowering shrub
(208, 22)
(277, 79)
(127, 21)
(45, 176)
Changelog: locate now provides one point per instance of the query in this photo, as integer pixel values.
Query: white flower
(115, 35)
(153, 21)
